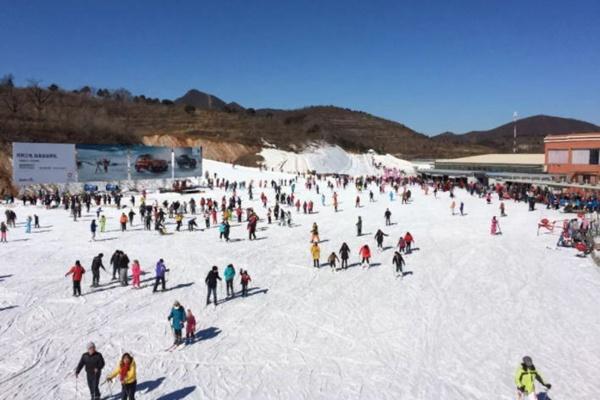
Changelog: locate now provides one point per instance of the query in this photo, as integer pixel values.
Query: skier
(365, 254)
(190, 327)
(36, 221)
(126, 372)
(525, 378)
(379, 238)
(388, 215)
(102, 223)
(332, 260)
(93, 363)
(131, 215)
(344, 254)
(161, 270)
(495, 227)
(3, 230)
(462, 208)
(314, 233)
(359, 226)
(401, 244)
(136, 272)
(502, 209)
(315, 251)
(28, 224)
(114, 260)
(77, 271)
(123, 221)
(211, 284)
(178, 221)
(452, 206)
(93, 229)
(192, 224)
(123, 266)
(229, 274)
(408, 238)
(177, 318)
(96, 265)
(398, 261)
(245, 279)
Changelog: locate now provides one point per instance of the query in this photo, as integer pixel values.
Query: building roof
(514, 159)
(572, 137)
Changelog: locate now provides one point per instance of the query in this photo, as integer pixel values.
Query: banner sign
(43, 163)
(85, 163)
(98, 163)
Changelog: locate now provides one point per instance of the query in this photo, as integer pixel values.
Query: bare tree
(11, 99)
(38, 97)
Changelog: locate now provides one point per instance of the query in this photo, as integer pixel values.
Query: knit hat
(91, 345)
(527, 361)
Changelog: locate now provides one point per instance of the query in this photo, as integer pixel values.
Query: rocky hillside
(227, 131)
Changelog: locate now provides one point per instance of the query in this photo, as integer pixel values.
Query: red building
(576, 156)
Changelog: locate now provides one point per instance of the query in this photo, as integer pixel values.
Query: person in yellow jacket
(127, 375)
(525, 379)
(315, 251)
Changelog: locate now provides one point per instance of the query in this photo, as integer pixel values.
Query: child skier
(3, 230)
(245, 279)
(136, 272)
(359, 226)
(332, 260)
(314, 233)
(409, 241)
(495, 227)
(190, 327)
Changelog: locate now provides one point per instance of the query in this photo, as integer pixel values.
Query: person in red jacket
(409, 241)
(77, 271)
(365, 254)
(245, 280)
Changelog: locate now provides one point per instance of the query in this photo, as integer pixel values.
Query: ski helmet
(527, 361)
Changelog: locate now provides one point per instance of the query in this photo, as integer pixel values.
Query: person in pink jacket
(365, 254)
(136, 272)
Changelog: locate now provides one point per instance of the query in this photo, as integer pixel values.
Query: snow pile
(454, 328)
(331, 159)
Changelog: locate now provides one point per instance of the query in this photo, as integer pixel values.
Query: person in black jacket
(344, 254)
(211, 284)
(398, 261)
(96, 265)
(123, 264)
(379, 238)
(93, 363)
(114, 260)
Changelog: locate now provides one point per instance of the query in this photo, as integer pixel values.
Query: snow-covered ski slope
(455, 328)
(325, 158)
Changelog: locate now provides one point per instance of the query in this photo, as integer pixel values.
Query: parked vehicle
(146, 162)
(185, 161)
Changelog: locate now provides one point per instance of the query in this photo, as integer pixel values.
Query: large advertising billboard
(62, 163)
(43, 163)
(136, 162)
(99, 163)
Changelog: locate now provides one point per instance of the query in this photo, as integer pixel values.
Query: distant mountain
(203, 101)
(530, 134)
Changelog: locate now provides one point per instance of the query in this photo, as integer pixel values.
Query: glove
(548, 386)
(521, 389)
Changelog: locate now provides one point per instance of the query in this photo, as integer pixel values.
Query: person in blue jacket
(229, 275)
(177, 318)
(161, 270)
(93, 227)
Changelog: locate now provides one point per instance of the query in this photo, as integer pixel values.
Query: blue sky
(433, 65)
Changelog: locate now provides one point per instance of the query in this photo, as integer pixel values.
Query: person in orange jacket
(77, 271)
(123, 220)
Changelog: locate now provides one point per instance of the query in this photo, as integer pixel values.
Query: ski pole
(77, 386)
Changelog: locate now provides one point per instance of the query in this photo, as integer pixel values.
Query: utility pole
(515, 132)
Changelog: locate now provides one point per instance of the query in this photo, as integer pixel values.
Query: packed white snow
(455, 328)
(332, 159)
